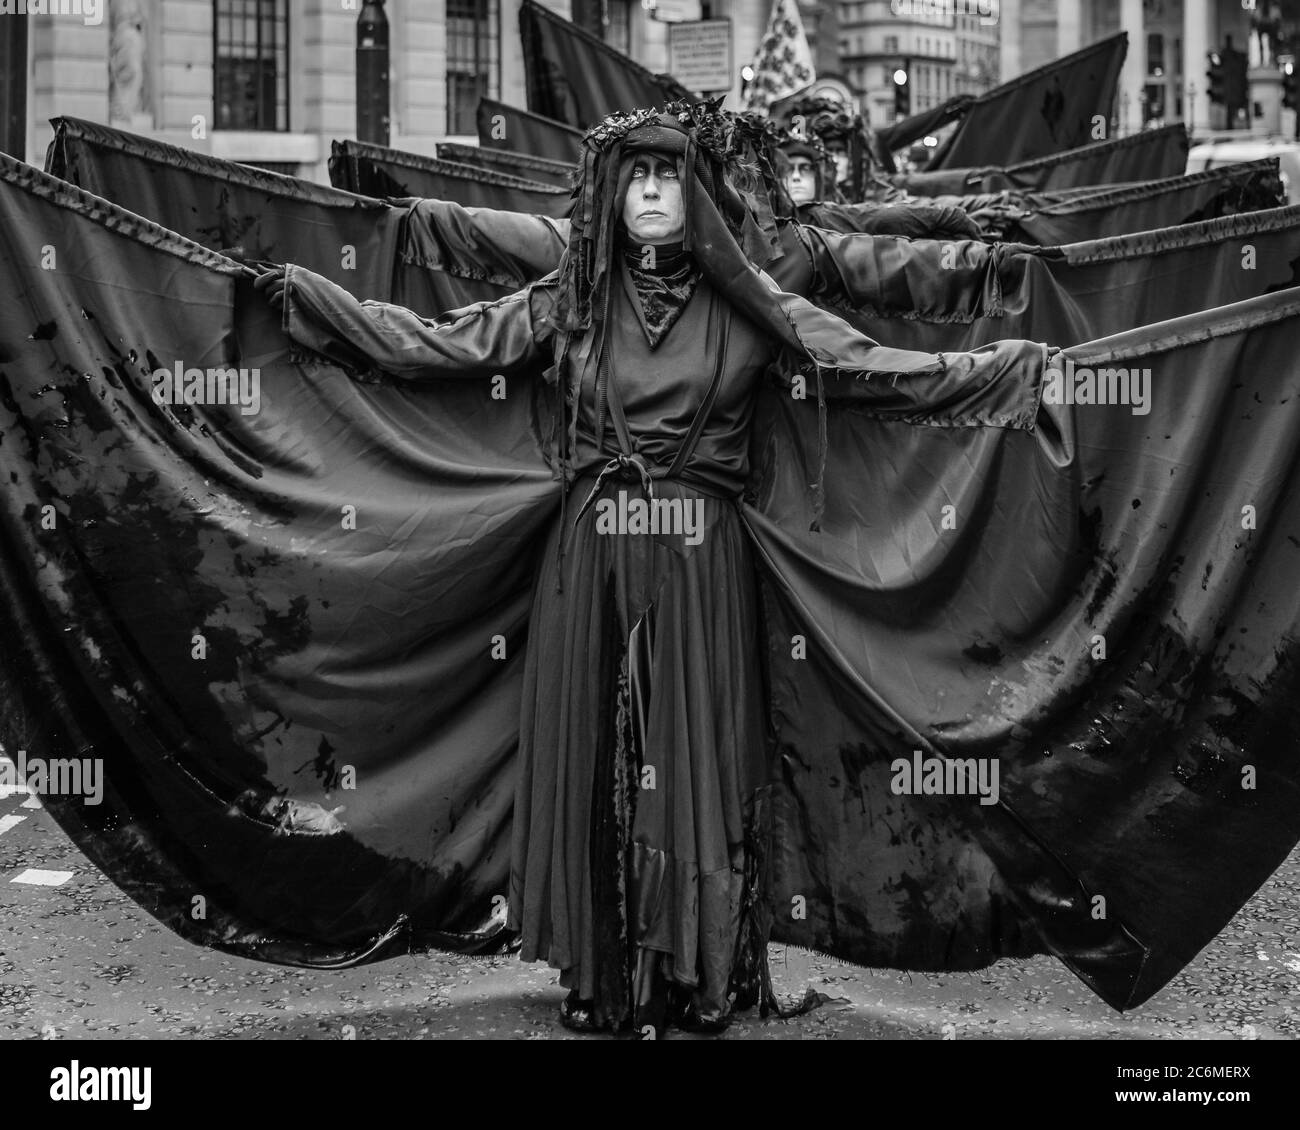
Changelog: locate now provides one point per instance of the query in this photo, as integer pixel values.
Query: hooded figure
(846, 139)
(807, 171)
(640, 817)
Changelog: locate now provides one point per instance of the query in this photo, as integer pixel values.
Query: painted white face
(801, 180)
(652, 210)
(841, 165)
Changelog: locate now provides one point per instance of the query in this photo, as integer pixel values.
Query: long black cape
(294, 636)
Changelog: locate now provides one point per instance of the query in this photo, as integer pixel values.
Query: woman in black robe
(640, 816)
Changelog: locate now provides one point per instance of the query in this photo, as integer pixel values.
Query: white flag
(784, 62)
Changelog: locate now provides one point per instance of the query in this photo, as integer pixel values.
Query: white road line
(38, 878)
(7, 822)
(31, 802)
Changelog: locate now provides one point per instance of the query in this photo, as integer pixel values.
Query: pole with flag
(784, 63)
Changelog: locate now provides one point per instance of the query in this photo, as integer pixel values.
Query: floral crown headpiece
(721, 156)
(827, 117)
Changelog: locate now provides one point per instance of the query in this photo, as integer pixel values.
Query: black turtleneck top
(665, 277)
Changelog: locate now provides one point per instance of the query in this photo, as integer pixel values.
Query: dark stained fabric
(377, 171)
(221, 204)
(330, 648)
(508, 127)
(951, 182)
(1149, 155)
(918, 294)
(1050, 217)
(428, 255)
(1162, 779)
(1044, 111)
(1224, 191)
(918, 220)
(576, 78)
(525, 165)
(194, 520)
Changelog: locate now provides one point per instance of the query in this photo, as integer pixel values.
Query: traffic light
(902, 90)
(1235, 88)
(1215, 77)
(1290, 86)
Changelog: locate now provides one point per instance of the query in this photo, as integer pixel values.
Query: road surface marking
(38, 878)
(31, 802)
(7, 822)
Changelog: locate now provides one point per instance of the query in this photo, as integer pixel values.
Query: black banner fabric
(1045, 111)
(1149, 155)
(430, 256)
(374, 170)
(179, 581)
(575, 78)
(522, 165)
(1109, 617)
(915, 127)
(350, 239)
(507, 127)
(291, 625)
(932, 295)
(1225, 191)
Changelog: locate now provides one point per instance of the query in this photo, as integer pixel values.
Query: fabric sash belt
(629, 464)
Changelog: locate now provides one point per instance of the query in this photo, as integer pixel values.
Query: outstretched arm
(476, 341)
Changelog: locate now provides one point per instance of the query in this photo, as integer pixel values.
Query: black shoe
(683, 1013)
(577, 1014)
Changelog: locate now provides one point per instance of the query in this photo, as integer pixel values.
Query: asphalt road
(78, 959)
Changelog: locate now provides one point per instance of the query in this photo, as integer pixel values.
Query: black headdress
(831, 122)
(808, 145)
(719, 165)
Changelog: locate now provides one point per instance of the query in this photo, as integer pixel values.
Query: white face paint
(652, 209)
(801, 180)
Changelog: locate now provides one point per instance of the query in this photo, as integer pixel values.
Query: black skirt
(640, 810)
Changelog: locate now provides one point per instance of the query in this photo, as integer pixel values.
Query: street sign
(699, 54)
(672, 11)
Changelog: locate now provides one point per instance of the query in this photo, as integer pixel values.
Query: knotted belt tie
(620, 465)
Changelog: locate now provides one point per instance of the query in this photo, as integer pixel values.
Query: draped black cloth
(577, 78)
(1148, 155)
(428, 255)
(1055, 107)
(295, 635)
(375, 170)
(920, 219)
(1226, 191)
(526, 165)
(923, 294)
(507, 127)
(225, 205)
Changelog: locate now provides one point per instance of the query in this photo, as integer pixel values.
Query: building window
(618, 25)
(1156, 55)
(250, 88)
(473, 60)
(891, 45)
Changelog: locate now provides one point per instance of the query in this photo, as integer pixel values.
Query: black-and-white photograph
(689, 520)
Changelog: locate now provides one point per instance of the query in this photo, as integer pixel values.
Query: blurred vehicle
(1218, 151)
